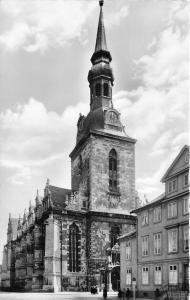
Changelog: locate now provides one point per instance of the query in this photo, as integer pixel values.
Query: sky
(45, 51)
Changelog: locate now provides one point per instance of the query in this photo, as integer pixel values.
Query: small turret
(37, 199)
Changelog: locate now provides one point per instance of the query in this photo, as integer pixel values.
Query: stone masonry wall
(100, 197)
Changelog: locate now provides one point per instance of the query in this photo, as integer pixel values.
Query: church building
(62, 242)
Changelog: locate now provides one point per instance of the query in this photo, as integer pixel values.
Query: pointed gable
(180, 164)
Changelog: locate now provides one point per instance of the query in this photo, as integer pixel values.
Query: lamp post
(108, 269)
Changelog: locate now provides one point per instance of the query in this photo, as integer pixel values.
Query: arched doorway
(115, 278)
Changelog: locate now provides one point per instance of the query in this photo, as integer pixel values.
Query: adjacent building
(0, 275)
(60, 243)
(157, 253)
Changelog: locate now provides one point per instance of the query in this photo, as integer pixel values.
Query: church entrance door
(115, 278)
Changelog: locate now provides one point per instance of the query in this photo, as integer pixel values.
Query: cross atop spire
(101, 36)
(101, 2)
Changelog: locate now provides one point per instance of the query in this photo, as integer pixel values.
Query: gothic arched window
(106, 89)
(74, 240)
(98, 91)
(113, 170)
(115, 232)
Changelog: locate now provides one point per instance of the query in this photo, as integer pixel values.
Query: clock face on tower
(112, 117)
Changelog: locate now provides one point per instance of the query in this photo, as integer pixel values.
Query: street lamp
(108, 269)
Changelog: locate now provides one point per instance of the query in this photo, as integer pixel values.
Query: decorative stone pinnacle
(101, 2)
(47, 183)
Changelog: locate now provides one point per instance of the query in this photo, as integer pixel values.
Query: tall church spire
(100, 76)
(101, 52)
(101, 36)
(102, 115)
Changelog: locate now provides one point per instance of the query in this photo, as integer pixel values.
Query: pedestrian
(105, 292)
(119, 293)
(157, 294)
(128, 294)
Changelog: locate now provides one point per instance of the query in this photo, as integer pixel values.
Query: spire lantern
(100, 76)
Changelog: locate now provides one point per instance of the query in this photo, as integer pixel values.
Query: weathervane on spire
(101, 2)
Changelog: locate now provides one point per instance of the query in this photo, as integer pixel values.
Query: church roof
(59, 196)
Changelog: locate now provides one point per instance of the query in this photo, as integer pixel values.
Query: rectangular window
(172, 209)
(186, 238)
(186, 180)
(84, 204)
(172, 240)
(185, 206)
(128, 277)
(173, 274)
(157, 243)
(128, 250)
(145, 246)
(172, 186)
(157, 214)
(145, 277)
(158, 275)
(145, 218)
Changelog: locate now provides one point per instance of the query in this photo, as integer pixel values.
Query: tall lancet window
(74, 240)
(113, 170)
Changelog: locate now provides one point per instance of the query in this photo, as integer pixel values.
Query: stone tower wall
(100, 197)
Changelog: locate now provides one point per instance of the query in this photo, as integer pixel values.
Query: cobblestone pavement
(58, 296)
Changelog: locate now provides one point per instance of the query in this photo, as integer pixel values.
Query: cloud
(33, 137)
(37, 25)
(116, 17)
(156, 113)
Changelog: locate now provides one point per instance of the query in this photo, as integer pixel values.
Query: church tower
(103, 160)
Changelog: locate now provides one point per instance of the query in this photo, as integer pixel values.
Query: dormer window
(106, 89)
(98, 91)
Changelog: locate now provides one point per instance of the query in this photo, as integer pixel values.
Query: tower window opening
(114, 234)
(98, 90)
(74, 248)
(113, 170)
(106, 89)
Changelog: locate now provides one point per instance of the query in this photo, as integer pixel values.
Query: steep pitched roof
(58, 196)
(174, 163)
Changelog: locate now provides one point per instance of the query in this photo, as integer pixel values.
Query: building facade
(161, 240)
(61, 242)
(0, 275)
